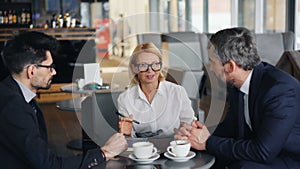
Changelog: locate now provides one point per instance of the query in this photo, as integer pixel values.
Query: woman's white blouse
(169, 107)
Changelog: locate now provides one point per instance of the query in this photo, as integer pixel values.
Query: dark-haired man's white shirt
(28, 94)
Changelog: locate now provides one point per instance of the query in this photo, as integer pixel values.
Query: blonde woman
(158, 105)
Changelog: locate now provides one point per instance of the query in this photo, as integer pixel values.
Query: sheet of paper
(92, 73)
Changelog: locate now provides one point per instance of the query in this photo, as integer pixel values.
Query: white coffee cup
(179, 148)
(144, 149)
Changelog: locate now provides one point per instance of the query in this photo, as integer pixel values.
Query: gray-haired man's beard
(230, 84)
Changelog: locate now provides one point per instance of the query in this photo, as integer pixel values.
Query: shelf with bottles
(60, 34)
(16, 15)
(62, 21)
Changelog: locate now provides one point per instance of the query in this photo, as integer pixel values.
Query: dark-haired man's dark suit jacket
(274, 108)
(23, 135)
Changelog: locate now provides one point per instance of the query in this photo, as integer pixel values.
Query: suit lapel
(241, 118)
(254, 89)
(11, 83)
(39, 118)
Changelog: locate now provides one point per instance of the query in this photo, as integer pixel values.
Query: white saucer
(180, 159)
(144, 160)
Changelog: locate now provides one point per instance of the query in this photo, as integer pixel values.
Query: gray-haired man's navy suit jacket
(274, 108)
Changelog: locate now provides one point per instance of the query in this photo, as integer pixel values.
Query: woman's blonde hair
(147, 47)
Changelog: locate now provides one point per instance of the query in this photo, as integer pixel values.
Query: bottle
(10, 17)
(60, 21)
(23, 16)
(73, 22)
(28, 17)
(14, 17)
(5, 17)
(53, 22)
(1, 17)
(46, 25)
(67, 20)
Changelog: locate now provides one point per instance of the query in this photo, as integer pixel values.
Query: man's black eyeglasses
(51, 67)
(145, 67)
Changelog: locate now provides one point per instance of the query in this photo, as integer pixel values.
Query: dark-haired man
(23, 133)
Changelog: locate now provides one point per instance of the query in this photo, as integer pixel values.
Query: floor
(62, 128)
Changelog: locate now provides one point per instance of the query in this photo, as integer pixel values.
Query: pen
(127, 117)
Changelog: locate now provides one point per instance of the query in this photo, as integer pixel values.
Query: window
(275, 12)
(246, 14)
(197, 14)
(219, 15)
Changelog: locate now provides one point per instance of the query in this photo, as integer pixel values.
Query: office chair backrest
(270, 46)
(155, 38)
(185, 62)
(183, 50)
(99, 118)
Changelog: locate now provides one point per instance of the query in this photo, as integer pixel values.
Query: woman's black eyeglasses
(145, 67)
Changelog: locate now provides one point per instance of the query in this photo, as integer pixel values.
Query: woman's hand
(115, 145)
(183, 132)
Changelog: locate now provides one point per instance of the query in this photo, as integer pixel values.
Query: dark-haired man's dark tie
(40, 118)
(33, 105)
